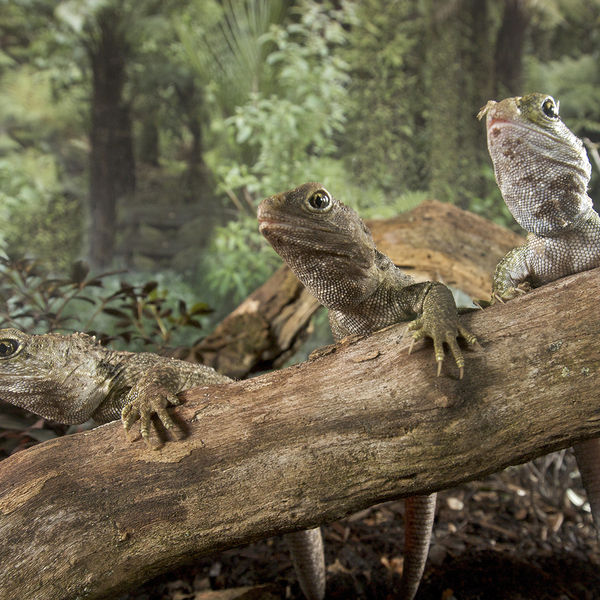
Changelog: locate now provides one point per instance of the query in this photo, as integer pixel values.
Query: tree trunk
(509, 49)
(461, 70)
(148, 146)
(90, 515)
(198, 176)
(112, 167)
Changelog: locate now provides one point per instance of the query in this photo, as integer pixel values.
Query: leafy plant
(35, 302)
(292, 129)
(238, 261)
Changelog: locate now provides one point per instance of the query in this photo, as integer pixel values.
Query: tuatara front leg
(151, 395)
(439, 321)
(511, 276)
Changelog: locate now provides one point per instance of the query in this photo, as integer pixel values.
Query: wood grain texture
(92, 516)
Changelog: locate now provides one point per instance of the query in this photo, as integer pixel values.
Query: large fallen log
(440, 242)
(433, 242)
(91, 516)
(264, 331)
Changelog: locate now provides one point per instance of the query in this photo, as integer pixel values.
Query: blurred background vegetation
(141, 134)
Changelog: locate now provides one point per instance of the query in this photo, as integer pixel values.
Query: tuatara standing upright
(543, 172)
(332, 252)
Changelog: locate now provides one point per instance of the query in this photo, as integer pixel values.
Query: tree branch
(90, 515)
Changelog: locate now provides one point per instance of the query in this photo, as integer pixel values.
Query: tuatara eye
(550, 108)
(320, 201)
(8, 348)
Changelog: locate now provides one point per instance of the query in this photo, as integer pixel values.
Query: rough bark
(90, 515)
(435, 241)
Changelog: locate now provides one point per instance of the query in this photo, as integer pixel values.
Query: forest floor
(522, 534)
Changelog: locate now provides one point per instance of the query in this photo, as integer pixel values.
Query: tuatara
(72, 378)
(543, 172)
(332, 252)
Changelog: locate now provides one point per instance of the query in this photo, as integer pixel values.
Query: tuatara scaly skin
(332, 252)
(543, 171)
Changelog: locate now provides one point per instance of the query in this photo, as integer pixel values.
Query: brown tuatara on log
(332, 252)
(433, 242)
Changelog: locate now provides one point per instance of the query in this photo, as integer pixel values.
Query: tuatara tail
(588, 461)
(418, 522)
(306, 549)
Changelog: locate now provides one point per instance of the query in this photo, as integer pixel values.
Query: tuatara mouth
(268, 222)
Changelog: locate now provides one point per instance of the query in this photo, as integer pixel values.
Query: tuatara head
(320, 239)
(36, 371)
(541, 167)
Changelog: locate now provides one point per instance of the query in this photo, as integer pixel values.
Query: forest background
(140, 135)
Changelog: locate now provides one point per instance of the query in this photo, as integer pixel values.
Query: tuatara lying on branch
(72, 378)
(543, 172)
(332, 252)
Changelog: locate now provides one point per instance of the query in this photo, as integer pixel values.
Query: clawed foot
(509, 293)
(442, 332)
(144, 401)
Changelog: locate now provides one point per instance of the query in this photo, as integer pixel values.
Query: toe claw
(412, 343)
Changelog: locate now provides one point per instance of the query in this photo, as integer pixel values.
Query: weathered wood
(433, 242)
(91, 516)
(264, 331)
(440, 242)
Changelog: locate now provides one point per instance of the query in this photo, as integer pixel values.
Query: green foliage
(36, 217)
(375, 99)
(238, 261)
(139, 315)
(39, 141)
(289, 137)
(387, 141)
(293, 129)
(228, 52)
